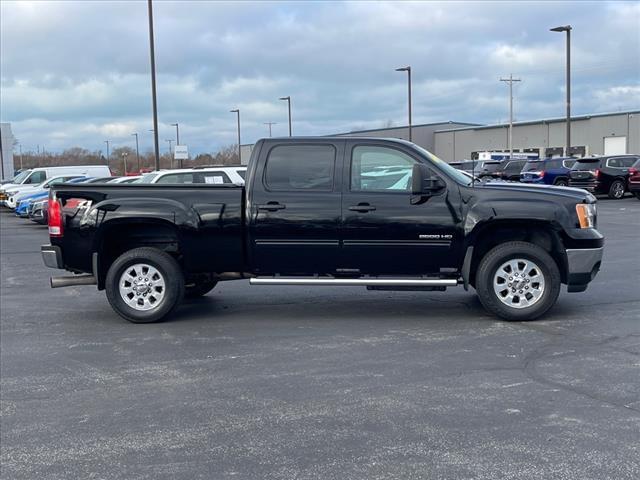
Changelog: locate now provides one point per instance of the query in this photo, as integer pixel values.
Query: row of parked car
(612, 175)
(28, 192)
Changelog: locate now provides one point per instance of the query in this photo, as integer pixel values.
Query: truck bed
(207, 219)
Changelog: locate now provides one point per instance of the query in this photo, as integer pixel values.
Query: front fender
(511, 210)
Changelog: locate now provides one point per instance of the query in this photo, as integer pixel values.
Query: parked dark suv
(634, 179)
(603, 175)
(510, 170)
(479, 168)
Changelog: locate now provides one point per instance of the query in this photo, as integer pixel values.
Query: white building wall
(6, 138)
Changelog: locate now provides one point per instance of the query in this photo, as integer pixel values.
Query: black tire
(561, 182)
(616, 190)
(170, 271)
(517, 250)
(199, 289)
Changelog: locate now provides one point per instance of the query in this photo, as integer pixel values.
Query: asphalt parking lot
(326, 383)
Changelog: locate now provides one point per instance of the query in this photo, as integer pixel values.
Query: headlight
(586, 214)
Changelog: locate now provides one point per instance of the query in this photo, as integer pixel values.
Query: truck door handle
(272, 207)
(362, 207)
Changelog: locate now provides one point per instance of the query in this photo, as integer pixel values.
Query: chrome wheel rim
(618, 190)
(519, 283)
(142, 287)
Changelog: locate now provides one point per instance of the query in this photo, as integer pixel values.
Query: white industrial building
(596, 134)
(6, 151)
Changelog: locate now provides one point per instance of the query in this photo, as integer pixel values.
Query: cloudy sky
(77, 73)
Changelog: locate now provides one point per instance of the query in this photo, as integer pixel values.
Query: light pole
(107, 142)
(124, 159)
(153, 85)
(270, 124)
(408, 70)
(137, 150)
(237, 111)
(567, 28)
(177, 137)
(20, 148)
(170, 141)
(510, 80)
(288, 99)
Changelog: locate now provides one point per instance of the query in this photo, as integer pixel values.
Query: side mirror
(423, 183)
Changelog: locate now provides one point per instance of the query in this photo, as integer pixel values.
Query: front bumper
(52, 256)
(583, 264)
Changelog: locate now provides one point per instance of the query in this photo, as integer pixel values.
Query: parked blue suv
(549, 171)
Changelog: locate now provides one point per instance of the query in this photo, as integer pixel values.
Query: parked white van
(212, 175)
(36, 176)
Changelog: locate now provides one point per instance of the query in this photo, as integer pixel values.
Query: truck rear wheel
(518, 281)
(144, 285)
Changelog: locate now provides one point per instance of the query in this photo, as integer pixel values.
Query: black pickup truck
(380, 213)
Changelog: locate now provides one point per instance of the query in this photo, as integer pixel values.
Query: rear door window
(300, 167)
(212, 178)
(514, 167)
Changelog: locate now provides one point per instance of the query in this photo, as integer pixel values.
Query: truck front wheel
(518, 281)
(144, 285)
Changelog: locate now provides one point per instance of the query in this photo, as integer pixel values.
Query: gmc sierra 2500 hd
(380, 213)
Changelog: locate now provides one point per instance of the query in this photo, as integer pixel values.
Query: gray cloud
(76, 73)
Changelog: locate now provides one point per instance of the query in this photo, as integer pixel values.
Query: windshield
(21, 176)
(452, 172)
(148, 178)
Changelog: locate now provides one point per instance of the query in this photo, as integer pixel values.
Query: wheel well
(119, 238)
(540, 234)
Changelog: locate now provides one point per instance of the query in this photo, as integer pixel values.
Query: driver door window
(380, 169)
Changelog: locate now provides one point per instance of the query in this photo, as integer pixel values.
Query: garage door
(615, 145)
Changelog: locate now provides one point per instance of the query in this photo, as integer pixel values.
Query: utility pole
(408, 70)
(237, 110)
(567, 28)
(270, 124)
(20, 148)
(510, 81)
(288, 99)
(169, 140)
(153, 85)
(124, 158)
(107, 142)
(137, 150)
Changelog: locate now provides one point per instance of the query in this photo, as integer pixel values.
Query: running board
(356, 282)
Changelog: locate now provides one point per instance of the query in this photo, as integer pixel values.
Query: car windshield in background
(242, 173)
(568, 163)
(21, 176)
(148, 178)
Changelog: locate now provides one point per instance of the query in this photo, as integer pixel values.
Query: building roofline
(543, 120)
(399, 127)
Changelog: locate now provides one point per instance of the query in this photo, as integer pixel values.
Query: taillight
(633, 171)
(541, 174)
(597, 172)
(55, 218)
